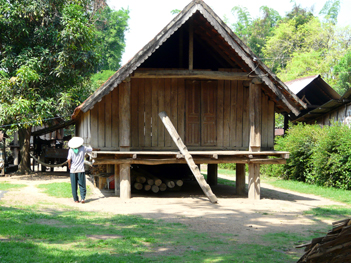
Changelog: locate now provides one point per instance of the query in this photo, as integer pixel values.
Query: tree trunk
(24, 143)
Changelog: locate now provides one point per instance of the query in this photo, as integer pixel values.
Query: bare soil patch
(277, 211)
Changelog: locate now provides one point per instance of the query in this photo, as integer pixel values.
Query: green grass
(51, 233)
(330, 212)
(6, 186)
(30, 235)
(327, 212)
(60, 190)
(335, 194)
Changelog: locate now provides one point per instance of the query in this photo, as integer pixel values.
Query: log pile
(143, 180)
(332, 248)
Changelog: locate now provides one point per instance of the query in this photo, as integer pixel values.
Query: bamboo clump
(333, 248)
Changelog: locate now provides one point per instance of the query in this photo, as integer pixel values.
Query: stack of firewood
(143, 180)
(334, 247)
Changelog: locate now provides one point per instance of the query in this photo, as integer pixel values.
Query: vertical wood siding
(101, 123)
(207, 114)
(267, 123)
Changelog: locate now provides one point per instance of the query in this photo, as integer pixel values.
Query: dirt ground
(277, 211)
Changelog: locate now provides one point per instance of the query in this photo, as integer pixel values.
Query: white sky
(149, 17)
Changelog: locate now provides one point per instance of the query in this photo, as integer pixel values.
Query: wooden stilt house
(220, 98)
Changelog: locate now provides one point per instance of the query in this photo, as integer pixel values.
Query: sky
(149, 17)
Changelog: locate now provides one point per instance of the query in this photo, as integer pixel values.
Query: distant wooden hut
(219, 96)
(319, 97)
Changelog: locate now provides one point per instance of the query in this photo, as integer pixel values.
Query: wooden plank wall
(82, 127)
(267, 123)
(101, 124)
(224, 101)
(150, 96)
(232, 115)
(341, 114)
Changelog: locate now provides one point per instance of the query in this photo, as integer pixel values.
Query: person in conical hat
(75, 159)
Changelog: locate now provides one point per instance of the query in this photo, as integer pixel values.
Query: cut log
(138, 186)
(170, 183)
(179, 182)
(141, 179)
(155, 189)
(163, 187)
(147, 187)
(142, 172)
(150, 181)
(183, 149)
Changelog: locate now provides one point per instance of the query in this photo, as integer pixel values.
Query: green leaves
(343, 71)
(318, 155)
(48, 50)
(111, 27)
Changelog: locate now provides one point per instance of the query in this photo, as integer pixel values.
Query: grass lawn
(6, 186)
(48, 232)
(29, 234)
(330, 212)
(61, 190)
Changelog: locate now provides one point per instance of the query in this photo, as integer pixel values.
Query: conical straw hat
(75, 142)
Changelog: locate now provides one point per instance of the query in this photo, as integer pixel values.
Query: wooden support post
(254, 182)
(255, 117)
(191, 44)
(125, 184)
(212, 174)
(181, 47)
(286, 122)
(124, 142)
(3, 157)
(240, 178)
(117, 181)
(124, 115)
(189, 159)
(15, 149)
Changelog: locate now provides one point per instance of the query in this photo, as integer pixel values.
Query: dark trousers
(78, 179)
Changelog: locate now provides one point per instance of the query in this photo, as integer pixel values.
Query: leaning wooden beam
(194, 74)
(183, 149)
(183, 161)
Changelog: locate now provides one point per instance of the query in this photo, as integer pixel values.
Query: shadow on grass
(63, 236)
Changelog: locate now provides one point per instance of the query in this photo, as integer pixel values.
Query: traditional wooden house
(319, 97)
(218, 95)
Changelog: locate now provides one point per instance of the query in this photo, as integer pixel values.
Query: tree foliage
(299, 44)
(331, 10)
(111, 26)
(47, 53)
(254, 32)
(343, 71)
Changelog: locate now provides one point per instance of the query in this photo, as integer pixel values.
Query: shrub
(229, 166)
(331, 158)
(318, 155)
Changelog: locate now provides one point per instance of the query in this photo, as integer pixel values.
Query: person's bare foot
(83, 201)
(76, 201)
